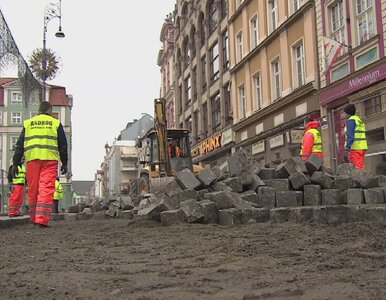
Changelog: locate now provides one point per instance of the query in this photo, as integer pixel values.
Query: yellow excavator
(164, 153)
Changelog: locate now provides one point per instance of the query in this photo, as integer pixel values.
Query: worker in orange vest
(312, 140)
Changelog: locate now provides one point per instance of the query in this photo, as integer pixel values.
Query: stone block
(73, 208)
(344, 182)
(267, 173)
(267, 197)
(300, 197)
(332, 197)
(279, 215)
(193, 211)
(381, 180)
(279, 184)
(301, 214)
(201, 193)
(58, 217)
(323, 179)
(181, 196)
(364, 180)
(71, 217)
(313, 164)
(222, 200)
(221, 187)
(246, 179)
(209, 210)
(207, 177)
(372, 213)
(187, 180)
(127, 214)
(320, 214)
(374, 196)
(230, 216)
(239, 202)
(255, 214)
(337, 214)
(312, 195)
(353, 196)
(299, 180)
(281, 171)
(254, 167)
(172, 217)
(250, 196)
(238, 162)
(234, 183)
(345, 169)
(172, 187)
(286, 199)
(152, 212)
(256, 183)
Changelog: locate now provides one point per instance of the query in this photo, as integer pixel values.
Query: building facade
(274, 75)
(202, 78)
(351, 46)
(13, 112)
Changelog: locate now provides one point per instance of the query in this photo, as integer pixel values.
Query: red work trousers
(16, 200)
(357, 157)
(41, 175)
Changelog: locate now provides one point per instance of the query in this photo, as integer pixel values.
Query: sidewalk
(6, 222)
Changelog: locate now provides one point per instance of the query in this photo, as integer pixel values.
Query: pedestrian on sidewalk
(58, 195)
(312, 140)
(42, 141)
(356, 142)
(17, 185)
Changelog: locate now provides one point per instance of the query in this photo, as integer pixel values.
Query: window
(214, 63)
(216, 113)
(195, 123)
(212, 16)
(227, 103)
(13, 142)
(340, 72)
(254, 32)
(238, 3)
(273, 14)
(239, 45)
(202, 31)
(194, 84)
(188, 124)
(16, 118)
(205, 119)
(365, 19)
(298, 52)
(257, 91)
(186, 54)
(337, 21)
(366, 58)
(373, 105)
(242, 103)
(295, 5)
(180, 99)
(16, 97)
(225, 50)
(188, 92)
(203, 73)
(224, 8)
(276, 80)
(1, 118)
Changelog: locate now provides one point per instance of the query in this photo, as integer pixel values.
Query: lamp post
(52, 11)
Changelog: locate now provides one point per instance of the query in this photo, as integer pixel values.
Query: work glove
(63, 169)
(14, 171)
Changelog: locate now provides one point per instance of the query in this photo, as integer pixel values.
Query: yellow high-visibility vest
(20, 177)
(58, 191)
(360, 142)
(41, 138)
(317, 141)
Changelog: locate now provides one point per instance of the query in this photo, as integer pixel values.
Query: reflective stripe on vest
(317, 141)
(58, 191)
(20, 177)
(41, 138)
(360, 142)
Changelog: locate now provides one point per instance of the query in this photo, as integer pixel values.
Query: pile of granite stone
(242, 191)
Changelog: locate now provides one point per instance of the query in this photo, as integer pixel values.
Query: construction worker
(58, 195)
(42, 141)
(356, 143)
(312, 140)
(18, 183)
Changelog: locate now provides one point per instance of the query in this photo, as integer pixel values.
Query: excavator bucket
(159, 183)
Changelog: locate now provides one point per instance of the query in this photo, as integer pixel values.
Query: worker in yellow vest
(312, 140)
(356, 142)
(58, 195)
(42, 141)
(18, 183)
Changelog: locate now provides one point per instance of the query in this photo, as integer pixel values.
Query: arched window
(212, 16)
(224, 8)
(186, 51)
(192, 40)
(202, 30)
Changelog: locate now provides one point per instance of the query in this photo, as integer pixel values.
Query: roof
(82, 187)
(58, 96)
(6, 80)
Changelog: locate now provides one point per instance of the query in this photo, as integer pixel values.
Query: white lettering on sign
(227, 137)
(367, 78)
(276, 141)
(258, 148)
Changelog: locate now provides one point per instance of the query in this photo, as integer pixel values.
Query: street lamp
(52, 11)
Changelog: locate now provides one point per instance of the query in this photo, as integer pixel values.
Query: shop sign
(296, 136)
(258, 148)
(356, 83)
(227, 137)
(195, 152)
(276, 141)
(210, 144)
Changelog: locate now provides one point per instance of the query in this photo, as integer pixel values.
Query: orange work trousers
(41, 175)
(357, 157)
(16, 200)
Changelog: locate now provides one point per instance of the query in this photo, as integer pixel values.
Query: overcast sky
(109, 59)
